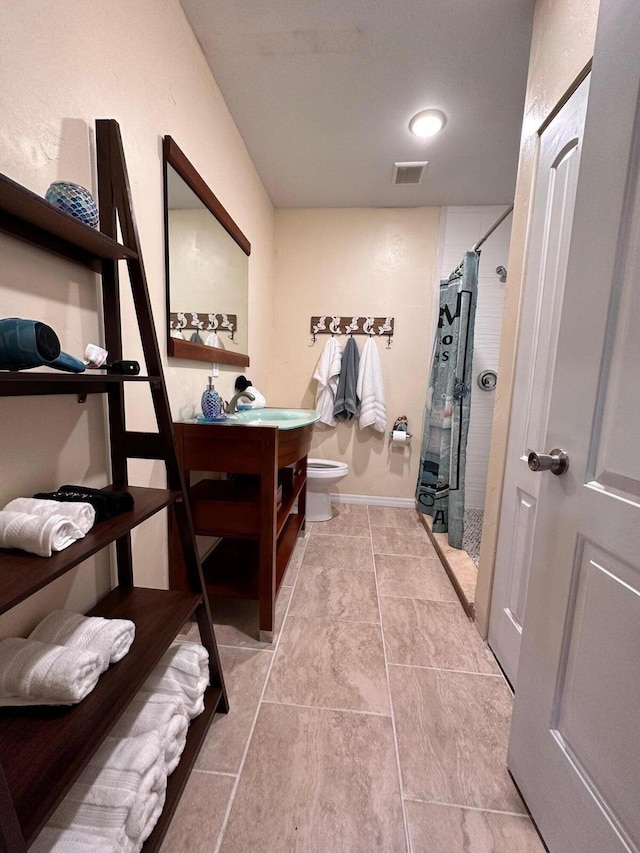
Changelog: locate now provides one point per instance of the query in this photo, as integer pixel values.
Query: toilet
(322, 476)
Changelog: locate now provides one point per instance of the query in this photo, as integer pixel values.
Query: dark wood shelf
(41, 746)
(26, 384)
(27, 216)
(288, 500)
(43, 749)
(286, 544)
(226, 507)
(22, 574)
(178, 779)
(231, 569)
(201, 352)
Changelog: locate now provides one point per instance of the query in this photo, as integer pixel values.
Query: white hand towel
(182, 670)
(52, 840)
(110, 638)
(33, 673)
(370, 389)
(326, 374)
(167, 715)
(39, 536)
(121, 792)
(82, 514)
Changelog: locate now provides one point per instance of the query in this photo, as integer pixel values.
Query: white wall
(63, 64)
(358, 261)
(460, 230)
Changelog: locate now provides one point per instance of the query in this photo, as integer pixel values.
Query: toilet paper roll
(399, 436)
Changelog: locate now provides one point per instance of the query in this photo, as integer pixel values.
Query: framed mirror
(207, 268)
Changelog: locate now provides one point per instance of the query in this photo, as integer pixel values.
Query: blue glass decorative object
(73, 199)
(212, 405)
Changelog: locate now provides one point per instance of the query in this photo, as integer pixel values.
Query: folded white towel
(33, 673)
(120, 793)
(160, 712)
(53, 840)
(82, 514)
(110, 638)
(326, 374)
(370, 389)
(37, 535)
(182, 670)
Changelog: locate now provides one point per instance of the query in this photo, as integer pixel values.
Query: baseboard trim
(373, 500)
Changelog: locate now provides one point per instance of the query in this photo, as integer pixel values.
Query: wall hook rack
(333, 324)
(203, 322)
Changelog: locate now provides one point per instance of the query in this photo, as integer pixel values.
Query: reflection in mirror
(206, 268)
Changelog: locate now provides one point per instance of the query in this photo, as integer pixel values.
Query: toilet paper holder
(400, 430)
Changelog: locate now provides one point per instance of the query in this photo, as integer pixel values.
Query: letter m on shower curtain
(440, 489)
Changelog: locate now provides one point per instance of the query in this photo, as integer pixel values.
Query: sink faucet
(232, 405)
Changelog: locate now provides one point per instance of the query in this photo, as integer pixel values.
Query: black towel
(346, 402)
(106, 502)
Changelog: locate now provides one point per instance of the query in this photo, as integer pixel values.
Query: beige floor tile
(413, 577)
(411, 542)
(331, 593)
(453, 729)
(433, 633)
(444, 829)
(317, 781)
(236, 621)
(245, 672)
(348, 520)
(330, 664)
(295, 562)
(200, 814)
(393, 516)
(341, 551)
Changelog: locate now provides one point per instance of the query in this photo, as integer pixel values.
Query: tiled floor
(377, 720)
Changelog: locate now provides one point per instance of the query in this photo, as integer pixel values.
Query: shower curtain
(440, 488)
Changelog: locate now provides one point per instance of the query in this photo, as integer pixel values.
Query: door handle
(557, 461)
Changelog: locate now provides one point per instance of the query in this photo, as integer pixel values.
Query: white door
(575, 740)
(560, 149)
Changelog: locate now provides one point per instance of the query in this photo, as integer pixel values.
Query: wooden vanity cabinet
(252, 510)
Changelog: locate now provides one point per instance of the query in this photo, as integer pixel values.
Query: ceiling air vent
(409, 173)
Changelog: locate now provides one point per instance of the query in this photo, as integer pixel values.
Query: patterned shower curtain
(440, 489)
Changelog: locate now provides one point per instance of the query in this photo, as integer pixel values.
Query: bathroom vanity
(258, 510)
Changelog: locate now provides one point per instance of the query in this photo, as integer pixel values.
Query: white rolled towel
(110, 638)
(37, 535)
(33, 673)
(182, 670)
(158, 712)
(53, 840)
(82, 514)
(120, 793)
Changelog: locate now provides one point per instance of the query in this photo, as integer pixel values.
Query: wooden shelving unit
(258, 536)
(44, 749)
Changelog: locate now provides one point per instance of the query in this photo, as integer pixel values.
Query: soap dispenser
(212, 406)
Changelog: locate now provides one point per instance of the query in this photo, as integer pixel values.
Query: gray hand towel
(346, 405)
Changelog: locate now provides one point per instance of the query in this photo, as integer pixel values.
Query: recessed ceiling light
(427, 123)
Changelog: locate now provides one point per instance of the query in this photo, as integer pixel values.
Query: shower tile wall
(461, 228)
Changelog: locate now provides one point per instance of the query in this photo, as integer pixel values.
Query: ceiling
(322, 92)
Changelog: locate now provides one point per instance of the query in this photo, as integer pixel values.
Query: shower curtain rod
(499, 221)
(493, 227)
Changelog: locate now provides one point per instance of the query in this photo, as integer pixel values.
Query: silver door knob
(557, 461)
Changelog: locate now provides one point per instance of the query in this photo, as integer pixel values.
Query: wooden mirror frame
(174, 157)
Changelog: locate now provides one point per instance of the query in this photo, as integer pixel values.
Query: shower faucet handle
(557, 461)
